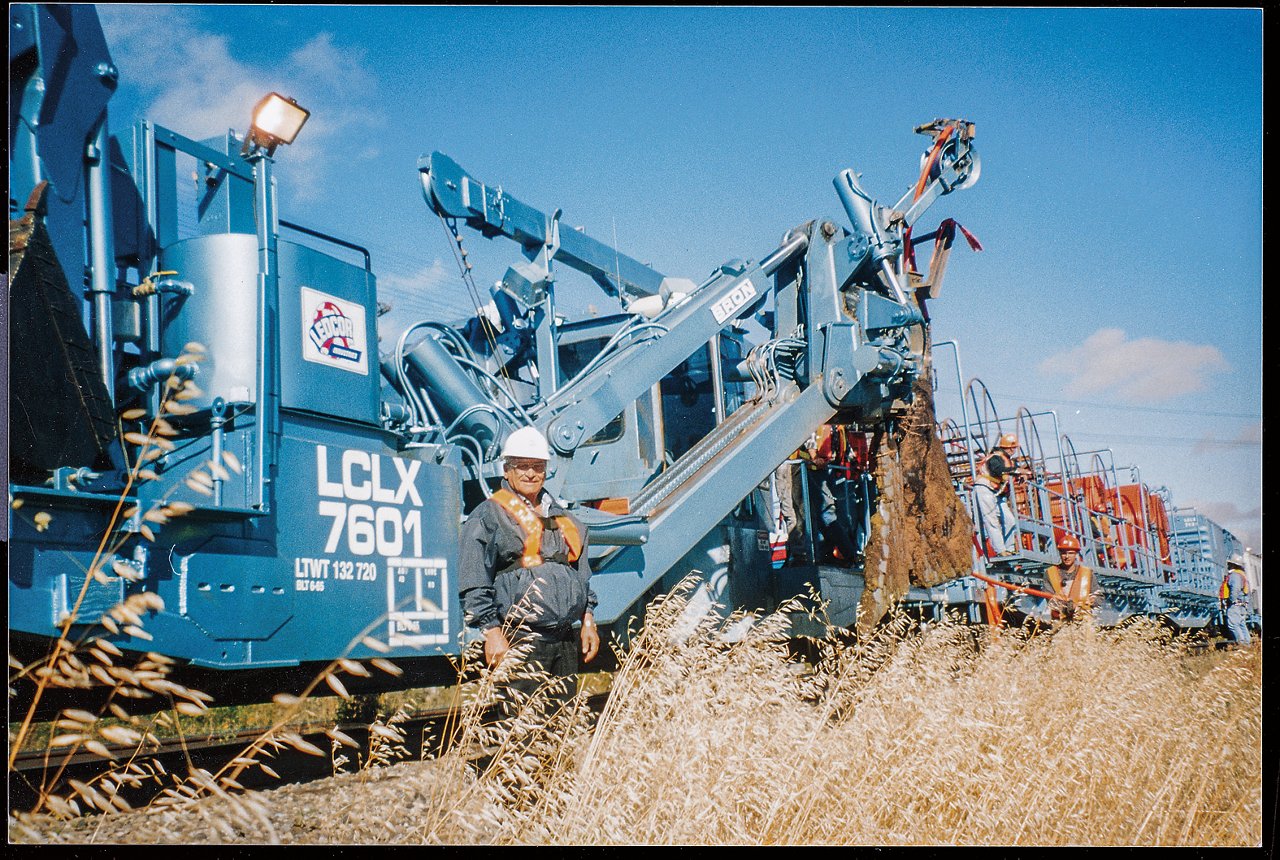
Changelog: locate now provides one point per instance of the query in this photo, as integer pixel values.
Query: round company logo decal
(333, 331)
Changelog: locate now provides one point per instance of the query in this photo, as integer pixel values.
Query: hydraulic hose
(1022, 588)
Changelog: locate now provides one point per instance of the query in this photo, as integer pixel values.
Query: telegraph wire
(1170, 440)
(1125, 408)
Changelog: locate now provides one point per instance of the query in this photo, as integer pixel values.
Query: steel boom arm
(453, 193)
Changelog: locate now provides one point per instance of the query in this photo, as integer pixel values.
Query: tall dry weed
(947, 735)
(84, 658)
(944, 736)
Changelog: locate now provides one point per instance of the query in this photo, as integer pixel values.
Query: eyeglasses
(539, 466)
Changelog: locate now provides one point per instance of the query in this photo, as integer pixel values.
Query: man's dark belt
(558, 633)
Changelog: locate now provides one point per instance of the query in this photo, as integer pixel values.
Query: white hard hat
(527, 442)
(1236, 561)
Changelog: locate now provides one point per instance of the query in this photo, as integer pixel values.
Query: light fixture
(276, 120)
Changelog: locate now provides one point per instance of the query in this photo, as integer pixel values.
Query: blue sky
(1120, 203)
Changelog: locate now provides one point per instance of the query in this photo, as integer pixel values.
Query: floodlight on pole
(277, 119)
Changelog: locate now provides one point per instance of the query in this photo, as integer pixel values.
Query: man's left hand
(590, 638)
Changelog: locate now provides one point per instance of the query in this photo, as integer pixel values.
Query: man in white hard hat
(524, 576)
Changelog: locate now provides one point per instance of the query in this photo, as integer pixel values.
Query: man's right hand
(495, 646)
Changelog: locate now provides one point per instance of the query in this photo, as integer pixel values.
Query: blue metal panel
(226, 202)
(47, 567)
(165, 186)
(63, 79)
(328, 336)
(362, 542)
(370, 547)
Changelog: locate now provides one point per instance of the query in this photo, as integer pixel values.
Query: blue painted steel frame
(363, 542)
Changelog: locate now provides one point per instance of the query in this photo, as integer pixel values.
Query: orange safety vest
(989, 479)
(1224, 593)
(1079, 592)
(531, 524)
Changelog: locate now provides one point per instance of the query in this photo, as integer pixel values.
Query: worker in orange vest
(1072, 582)
(1235, 599)
(523, 572)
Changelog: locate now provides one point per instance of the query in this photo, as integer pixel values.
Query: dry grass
(1080, 738)
(953, 736)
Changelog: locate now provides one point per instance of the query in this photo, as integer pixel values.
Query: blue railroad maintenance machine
(203, 412)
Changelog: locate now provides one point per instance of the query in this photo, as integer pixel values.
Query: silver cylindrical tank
(222, 314)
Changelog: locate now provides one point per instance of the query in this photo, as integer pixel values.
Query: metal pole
(546, 346)
(794, 243)
(1119, 518)
(964, 412)
(806, 499)
(102, 257)
(548, 360)
(266, 409)
(147, 132)
(217, 421)
(1152, 554)
(717, 378)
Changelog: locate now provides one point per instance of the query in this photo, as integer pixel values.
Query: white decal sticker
(310, 574)
(333, 332)
(375, 509)
(417, 602)
(363, 529)
(733, 301)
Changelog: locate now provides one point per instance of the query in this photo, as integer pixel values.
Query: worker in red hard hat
(992, 490)
(1073, 582)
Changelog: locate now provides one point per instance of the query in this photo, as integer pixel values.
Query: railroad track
(426, 734)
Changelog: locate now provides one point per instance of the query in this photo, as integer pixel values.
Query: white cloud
(1147, 370)
(422, 282)
(188, 78)
(191, 82)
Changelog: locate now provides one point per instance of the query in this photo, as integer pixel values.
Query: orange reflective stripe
(571, 537)
(1225, 591)
(1079, 591)
(529, 523)
(1080, 585)
(1055, 580)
